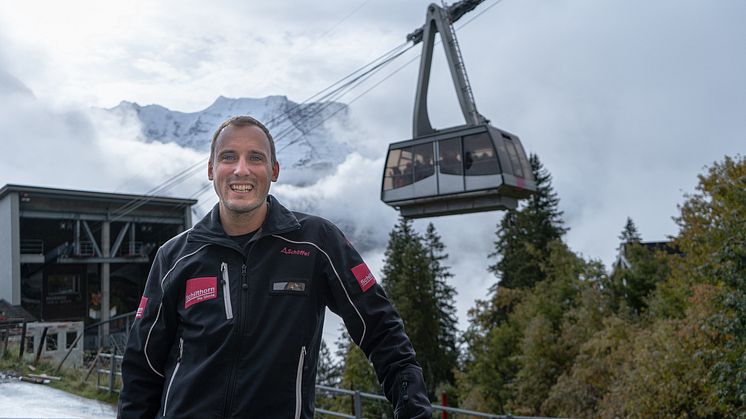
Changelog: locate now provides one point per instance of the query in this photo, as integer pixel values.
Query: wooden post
(7, 336)
(41, 345)
(77, 338)
(112, 367)
(93, 364)
(444, 403)
(23, 342)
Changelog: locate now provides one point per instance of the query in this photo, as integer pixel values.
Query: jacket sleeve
(148, 346)
(375, 326)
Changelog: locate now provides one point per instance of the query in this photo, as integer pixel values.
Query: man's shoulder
(176, 245)
(314, 225)
(306, 219)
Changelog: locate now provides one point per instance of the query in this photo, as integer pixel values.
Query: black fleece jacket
(225, 332)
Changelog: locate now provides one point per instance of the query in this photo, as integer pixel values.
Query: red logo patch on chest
(364, 278)
(200, 289)
(141, 307)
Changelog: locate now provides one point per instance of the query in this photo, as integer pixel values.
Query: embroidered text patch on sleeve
(363, 276)
(141, 307)
(200, 289)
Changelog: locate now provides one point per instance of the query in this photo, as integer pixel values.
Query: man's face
(242, 169)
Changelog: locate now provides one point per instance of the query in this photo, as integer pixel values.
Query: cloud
(624, 102)
(76, 148)
(348, 198)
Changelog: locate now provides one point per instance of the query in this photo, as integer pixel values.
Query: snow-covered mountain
(307, 136)
(323, 169)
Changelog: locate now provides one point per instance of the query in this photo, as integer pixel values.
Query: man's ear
(209, 170)
(275, 171)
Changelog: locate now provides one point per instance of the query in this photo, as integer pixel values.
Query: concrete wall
(57, 342)
(10, 250)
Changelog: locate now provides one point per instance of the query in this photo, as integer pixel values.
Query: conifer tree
(358, 375)
(629, 234)
(445, 298)
(523, 236)
(636, 273)
(414, 279)
(329, 372)
(522, 249)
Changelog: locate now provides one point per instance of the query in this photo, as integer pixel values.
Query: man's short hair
(243, 121)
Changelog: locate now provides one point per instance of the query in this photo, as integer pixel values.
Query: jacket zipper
(238, 329)
(226, 282)
(299, 382)
(173, 375)
(244, 294)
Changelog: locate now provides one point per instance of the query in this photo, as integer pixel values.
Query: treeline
(663, 334)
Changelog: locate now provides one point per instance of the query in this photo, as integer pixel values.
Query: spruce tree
(637, 273)
(523, 236)
(414, 280)
(629, 234)
(329, 371)
(358, 375)
(445, 298)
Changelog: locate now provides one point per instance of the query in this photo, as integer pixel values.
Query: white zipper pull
(226, 291)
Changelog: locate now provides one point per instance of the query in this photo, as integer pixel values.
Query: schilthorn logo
(200, 293)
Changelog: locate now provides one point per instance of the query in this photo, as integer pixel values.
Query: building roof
(94, 196)
(8, 311)
(668, 247)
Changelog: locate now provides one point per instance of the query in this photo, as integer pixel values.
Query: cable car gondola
(468, 168)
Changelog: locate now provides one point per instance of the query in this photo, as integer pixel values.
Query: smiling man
(231, 318)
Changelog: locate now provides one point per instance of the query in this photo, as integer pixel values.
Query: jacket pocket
(226, 282)
(299, 383)
(173, 376)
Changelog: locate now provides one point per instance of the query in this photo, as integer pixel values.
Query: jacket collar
(279, 220)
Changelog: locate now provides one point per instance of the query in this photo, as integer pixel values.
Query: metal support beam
(105, 276)
(10, 250)
(187, 217)
(132, 239)
(76, 239)
(64, 215)
(90, 236)
(94, 260)
(119, 239)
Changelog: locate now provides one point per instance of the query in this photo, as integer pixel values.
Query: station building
(69, 255)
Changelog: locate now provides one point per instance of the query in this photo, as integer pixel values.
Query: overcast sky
(625, 102)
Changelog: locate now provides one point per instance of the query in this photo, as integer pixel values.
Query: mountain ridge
(307, 147)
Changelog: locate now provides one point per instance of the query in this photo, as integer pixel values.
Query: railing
(113, 374)
(118, 329)
(10, 329)
(86, 249)
(32, 247)
(358, 397)
(108, 368)
(132, 249)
